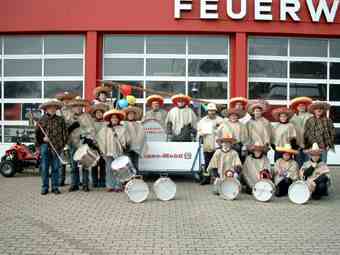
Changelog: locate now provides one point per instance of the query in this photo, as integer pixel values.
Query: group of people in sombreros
(237, 143)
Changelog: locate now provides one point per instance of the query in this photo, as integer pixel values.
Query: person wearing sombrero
(98, 171)
(136, 134)
(255, 162)
(55, 128)
(155, 103)
(316, 172)
(238, 130)
(284, 132)
(299, 106)
(66, 112)
(112, 140)
(320, 129)
(225, 159)
(206, 130)
(286, 170)
(241, 104)
(101, 94)
(181, 121)
(258, 127)
(81, 130)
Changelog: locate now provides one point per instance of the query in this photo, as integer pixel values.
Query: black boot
(86, 188)
(73, 188)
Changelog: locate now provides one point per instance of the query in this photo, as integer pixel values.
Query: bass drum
(137, 190)
(165, 189)
(264, 190)
(230, 188)
(86, 156)
(299, 192)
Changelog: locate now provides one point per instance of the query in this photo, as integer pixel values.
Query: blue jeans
(48, 158)
(75, 179)
(301, 158)
(324, 156)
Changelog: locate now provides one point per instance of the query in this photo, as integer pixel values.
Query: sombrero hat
(315, 150)
(232, 111)
(286, 148)
(65, 96)
(78, 101)
(235, 100)
(319, 105)
(300, 100)
(153, 98)
(98, 107)
(136, 110)
(51, 103)
(262, 104)
(101, 89)
(282, 110)
(227, 138)
(256, 147)
(108, 114)
(178, 97)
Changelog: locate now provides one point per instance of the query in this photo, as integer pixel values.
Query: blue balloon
(123, 103)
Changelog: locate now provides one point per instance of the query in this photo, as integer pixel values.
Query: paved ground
(197, 222)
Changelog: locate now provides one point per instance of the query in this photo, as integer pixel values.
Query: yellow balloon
(131, 100)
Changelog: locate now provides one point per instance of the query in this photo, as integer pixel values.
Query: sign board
(154, 132)
(170, 157)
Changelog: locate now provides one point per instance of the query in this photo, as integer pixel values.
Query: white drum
(165, 189)
(264, 190)
(86, 156)
(137, 190)
(299, 192)
(123, 169)
(230, 188)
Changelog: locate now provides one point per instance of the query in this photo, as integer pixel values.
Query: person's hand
(45, 139)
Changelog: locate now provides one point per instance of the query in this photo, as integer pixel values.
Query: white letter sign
(209, 9)
(322, 8)
(182, 5)
(263, 10)
(241, 14)
(290, 7)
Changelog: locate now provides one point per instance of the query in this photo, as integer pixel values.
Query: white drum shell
(137, 190)
(86, 156)
(165, 189)
(230, 188)
(123, 169)
(264, 190)
(299, 192)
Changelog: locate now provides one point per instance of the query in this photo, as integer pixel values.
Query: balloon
(122, 103)
(125, 90)
(131, 100)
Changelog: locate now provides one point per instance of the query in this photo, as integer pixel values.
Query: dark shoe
(118, 190)
(44, 192)
(56, 191)
(73, 188)
(86, 188)
(95, 185)
(110, 190)
(205, 180)
(62, 184)
(248, 190)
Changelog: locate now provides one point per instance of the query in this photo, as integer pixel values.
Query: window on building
(33, 69)
(194, 65)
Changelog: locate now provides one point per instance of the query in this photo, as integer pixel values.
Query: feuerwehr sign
(262, 9)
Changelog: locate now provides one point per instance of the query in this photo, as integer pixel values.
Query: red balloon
(125, 90)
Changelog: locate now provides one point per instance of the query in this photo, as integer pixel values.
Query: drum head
(80, 152)
(263, 190)
(120, 162)
(230, 189)
(137, 190)
(165, 189)
(299, 193)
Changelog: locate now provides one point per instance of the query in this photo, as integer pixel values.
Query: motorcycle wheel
(7, 168)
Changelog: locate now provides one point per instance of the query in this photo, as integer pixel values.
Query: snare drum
(230, 188)
(86, 156)
(123, 169)
(165, 189)
(299, 192)
(137, 190)
(264, 190)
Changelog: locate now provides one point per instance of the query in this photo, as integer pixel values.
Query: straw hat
(235, 100)
(319, 105)
(98, 107)
(120, 114)
(315, 150)
(211, 107)
(262, 104)
(101, 89)
(286, 148)
(257, 147)
(78, 101)
(300, 100)
(153, 98)
(136, 110)
(65, 96)
(281, 110)
(232, 111)
(227, 138)
(51, 103)
(178, 97)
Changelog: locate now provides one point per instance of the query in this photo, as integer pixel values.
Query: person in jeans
(56, 134)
